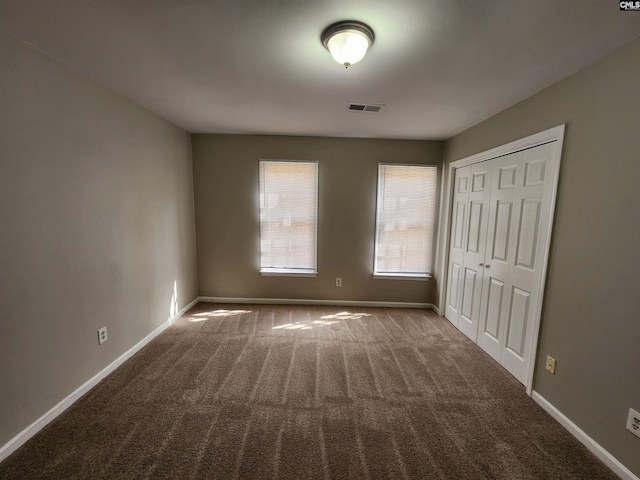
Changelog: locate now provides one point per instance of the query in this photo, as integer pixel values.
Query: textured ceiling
(257, 66)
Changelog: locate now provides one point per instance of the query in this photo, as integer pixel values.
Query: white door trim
(553, 134)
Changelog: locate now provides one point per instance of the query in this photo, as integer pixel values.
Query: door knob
(482, 264)
(487, 265)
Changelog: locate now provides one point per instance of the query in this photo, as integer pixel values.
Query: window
(405, 220)
(288, 217)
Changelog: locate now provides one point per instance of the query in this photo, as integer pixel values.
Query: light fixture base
(343, 25)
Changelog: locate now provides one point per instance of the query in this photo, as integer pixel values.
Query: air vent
(364, 107)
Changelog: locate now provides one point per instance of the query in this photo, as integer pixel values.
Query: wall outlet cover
(102, 335)
(551, 364)
(633, 422)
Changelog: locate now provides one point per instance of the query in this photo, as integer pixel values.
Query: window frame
(289, 272)
(400, 275)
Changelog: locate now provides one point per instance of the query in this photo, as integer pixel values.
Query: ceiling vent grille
(364, 107)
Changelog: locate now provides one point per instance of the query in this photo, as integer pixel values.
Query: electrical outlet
(338, 282)
(633, 422)
(102, 335)
(551, 364)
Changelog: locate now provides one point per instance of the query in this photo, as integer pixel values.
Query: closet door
(519, 214)
(474, 249)
(459, 220)
(504, 212)
(535, 201)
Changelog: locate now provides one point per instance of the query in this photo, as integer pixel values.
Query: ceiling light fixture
(348, 41)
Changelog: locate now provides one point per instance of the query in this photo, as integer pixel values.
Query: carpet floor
(289, 392)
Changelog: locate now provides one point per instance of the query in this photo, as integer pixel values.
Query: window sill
(400, 276)
(282, 272)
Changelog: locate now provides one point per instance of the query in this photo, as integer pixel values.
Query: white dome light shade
(347, 41)
(348, 47)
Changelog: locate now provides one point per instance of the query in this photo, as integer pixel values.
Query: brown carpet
(285, 392)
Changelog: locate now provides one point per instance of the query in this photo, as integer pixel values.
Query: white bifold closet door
(499, 229)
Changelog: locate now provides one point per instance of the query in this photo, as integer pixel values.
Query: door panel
(458, 226)
(496, 289)
(475, 220)
(507, 177)
(535, 200)
(491, 329)
(459, 221)
(479, 179)
(517, 321)
(463, 180)
(454, 287)
(528, 233)
(499, 255)
(468, 294)
(534, 171)
(502, 229)
(474, 251)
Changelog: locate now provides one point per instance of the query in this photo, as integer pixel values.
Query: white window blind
(405, 220)
(288, 216)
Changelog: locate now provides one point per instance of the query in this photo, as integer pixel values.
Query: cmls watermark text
(630, 6)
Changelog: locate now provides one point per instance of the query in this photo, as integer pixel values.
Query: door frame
(553, 134)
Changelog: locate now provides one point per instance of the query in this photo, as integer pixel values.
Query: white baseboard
(296, 301)
(19, 440)
(594, 447)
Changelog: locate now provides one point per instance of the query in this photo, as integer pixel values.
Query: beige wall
(590, 320)
(226, 189)
(96, 225)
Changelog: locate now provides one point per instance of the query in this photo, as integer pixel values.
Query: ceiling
(257, 66)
